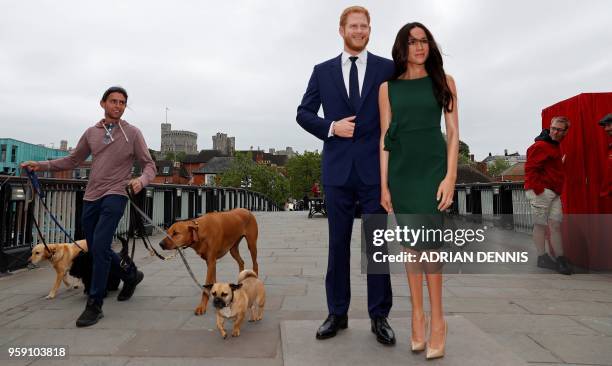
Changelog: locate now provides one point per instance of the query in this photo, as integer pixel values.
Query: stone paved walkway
(539, 319)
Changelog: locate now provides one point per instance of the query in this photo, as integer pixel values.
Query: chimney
(472, 158)
(505, 152)
(489, 154)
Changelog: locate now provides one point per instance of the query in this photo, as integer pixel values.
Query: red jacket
(606, 187)
(544, 166)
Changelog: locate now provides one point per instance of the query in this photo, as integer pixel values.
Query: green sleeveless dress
(417, 154)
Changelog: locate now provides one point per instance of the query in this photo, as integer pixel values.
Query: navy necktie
(354, 84)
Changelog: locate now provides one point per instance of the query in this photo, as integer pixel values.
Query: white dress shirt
(345, 62)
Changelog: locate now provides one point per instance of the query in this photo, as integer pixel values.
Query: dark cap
(607, 119)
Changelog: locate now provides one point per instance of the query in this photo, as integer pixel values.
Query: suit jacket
(326, 87)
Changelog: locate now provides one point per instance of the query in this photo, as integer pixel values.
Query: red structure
(587, 238)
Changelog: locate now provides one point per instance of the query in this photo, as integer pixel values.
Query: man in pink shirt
(114, 145)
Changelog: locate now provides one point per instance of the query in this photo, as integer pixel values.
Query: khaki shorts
(545, 206)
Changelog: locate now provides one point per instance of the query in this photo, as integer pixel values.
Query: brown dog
(233, 301)
(61, 257)
(212, 236)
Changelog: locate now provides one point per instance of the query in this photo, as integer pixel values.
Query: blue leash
(41, 195)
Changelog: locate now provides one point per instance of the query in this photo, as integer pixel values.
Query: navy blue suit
(350, 171)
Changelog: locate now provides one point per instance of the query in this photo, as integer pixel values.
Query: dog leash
(35, 184)
(150, 247)
(31, 214)
(141, 229)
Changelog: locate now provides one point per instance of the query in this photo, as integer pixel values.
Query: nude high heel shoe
(418, 346)
(437, 352)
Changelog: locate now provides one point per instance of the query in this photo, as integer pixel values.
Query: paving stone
(466, 345)
(603, 325)
(84, 361)
(12, 300)
(481, 305)
(143, 319)
(157, 325)
(493, 292)
(593, 350)
(213, 361)
(574, 294)
(46, 319)
(80, 341)
(561, 307)
(525, 347)
(252, 343)
(528, 324)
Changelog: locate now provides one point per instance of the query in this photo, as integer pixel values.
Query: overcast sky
(241, 67)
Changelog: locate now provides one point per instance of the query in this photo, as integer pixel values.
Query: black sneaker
(91, 314)
(129, 286)
(563, 266)
(545, 261)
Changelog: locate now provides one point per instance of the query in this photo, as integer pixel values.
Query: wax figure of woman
(418, 166)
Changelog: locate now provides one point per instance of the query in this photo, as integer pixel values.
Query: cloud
(241, 67)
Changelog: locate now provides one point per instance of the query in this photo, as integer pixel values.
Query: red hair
(353, 9)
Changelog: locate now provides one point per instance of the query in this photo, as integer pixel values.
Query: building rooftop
(516, 169)
(468, 174)
(204, 156)
(218, 164)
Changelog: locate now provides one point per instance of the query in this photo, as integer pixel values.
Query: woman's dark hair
(114, 89)
(433, 64)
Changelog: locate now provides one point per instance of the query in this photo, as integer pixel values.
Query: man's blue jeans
(100, 219)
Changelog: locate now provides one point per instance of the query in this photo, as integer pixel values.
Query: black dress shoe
(331, 325)
(383, 331)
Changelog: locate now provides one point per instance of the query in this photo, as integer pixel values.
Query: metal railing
(164, 203)
(503, 200)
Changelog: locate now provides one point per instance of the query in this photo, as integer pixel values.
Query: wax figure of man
(347, 88)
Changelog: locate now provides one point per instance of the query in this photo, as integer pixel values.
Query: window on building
(166, 170)
(13, 154)
(76, 174)
(3, 153)
(87, 172)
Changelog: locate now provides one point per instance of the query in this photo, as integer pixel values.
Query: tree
(175, 156)
(498, 166)
(267, 180)
(464, 149)
(169, 156)
(464, 154)
(303, 171)
(464, 160)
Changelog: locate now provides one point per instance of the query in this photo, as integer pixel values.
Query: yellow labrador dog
(60, 257)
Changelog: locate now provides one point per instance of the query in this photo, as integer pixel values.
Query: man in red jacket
(543, 187)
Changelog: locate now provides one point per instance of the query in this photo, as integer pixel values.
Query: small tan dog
(232, 301)
(61, 258)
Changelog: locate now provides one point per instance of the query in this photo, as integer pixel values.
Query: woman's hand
(385, 200)
(445, 194)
